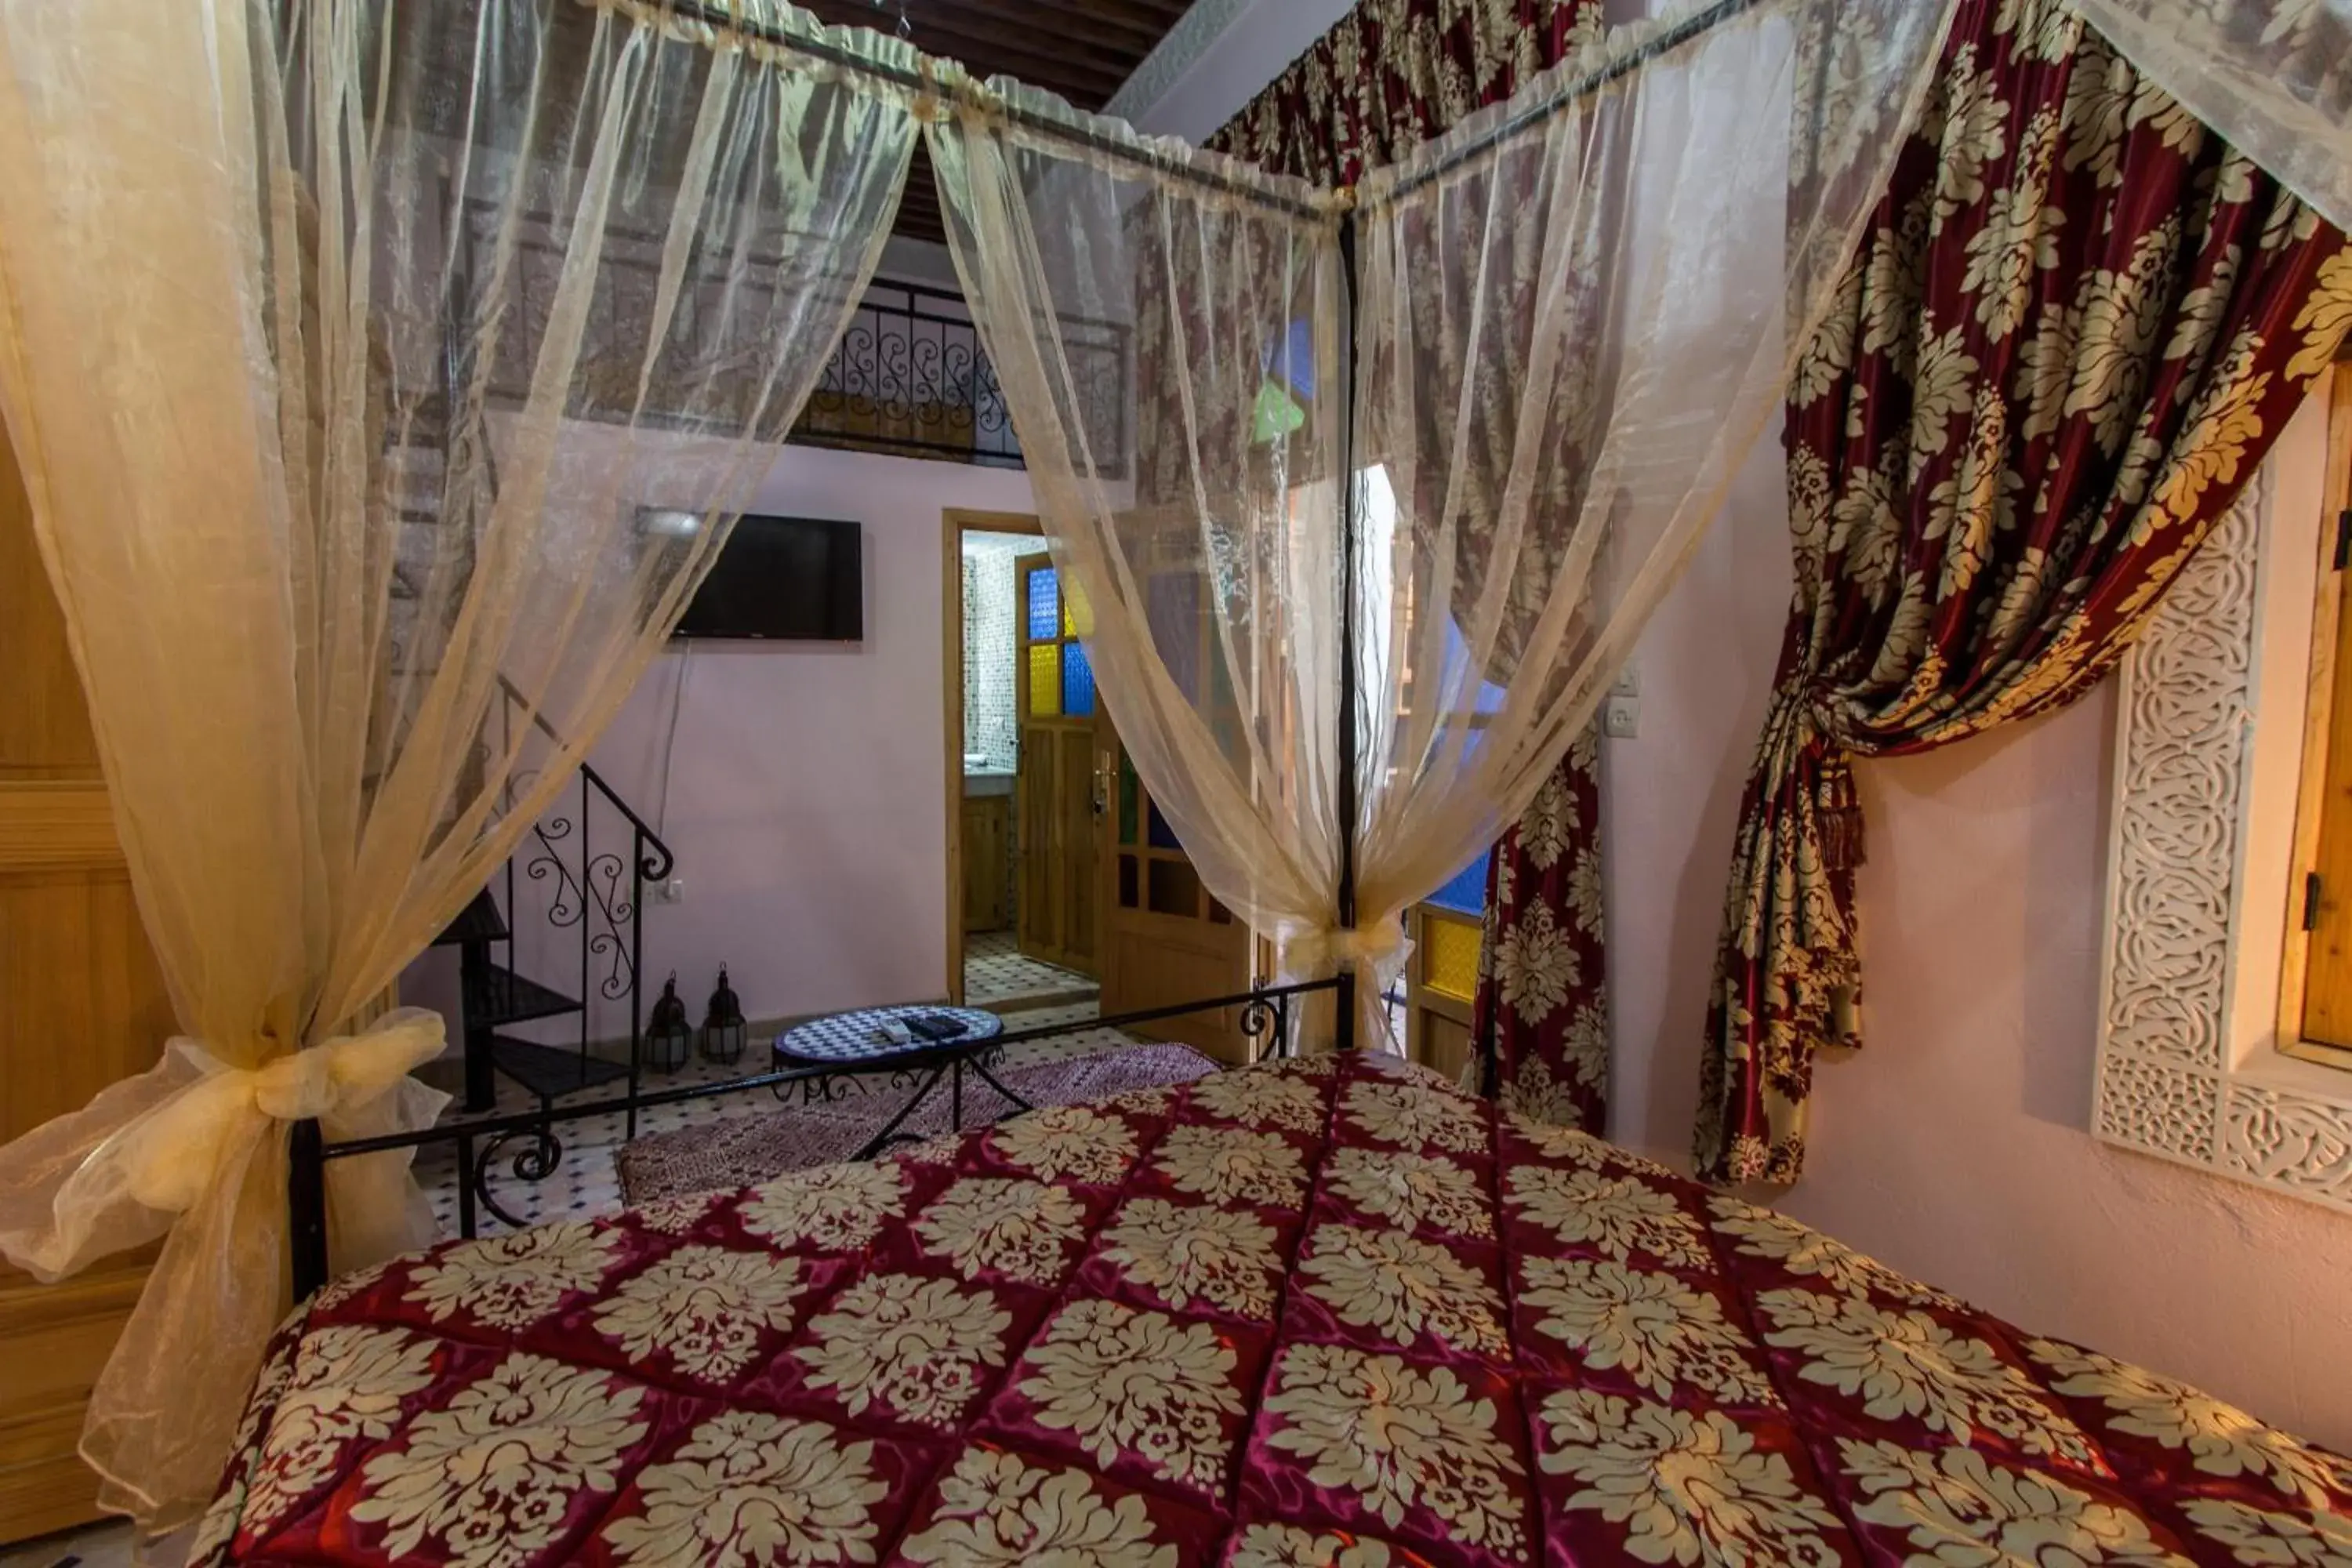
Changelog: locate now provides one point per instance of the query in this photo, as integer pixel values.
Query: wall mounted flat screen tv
(781, 579)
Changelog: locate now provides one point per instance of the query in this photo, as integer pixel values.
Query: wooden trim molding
(64, 825)
(954, 521)
(2171, 1080)
(2328, 629)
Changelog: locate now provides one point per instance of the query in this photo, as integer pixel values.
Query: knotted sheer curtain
(1577, 312)
(344, 343)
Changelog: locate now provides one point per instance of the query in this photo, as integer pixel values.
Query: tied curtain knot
(177, 1144)
(1375, 952)
(1380, 948)
(168, 1154)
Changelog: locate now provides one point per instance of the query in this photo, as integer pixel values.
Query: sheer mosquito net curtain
(1576, 313)
(344, 342)
(2273, 77)
(1192, 501)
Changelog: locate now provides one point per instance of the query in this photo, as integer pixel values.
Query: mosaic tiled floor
(995, 973)
(585, 1183)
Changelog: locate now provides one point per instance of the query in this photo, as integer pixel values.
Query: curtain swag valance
(368, 328)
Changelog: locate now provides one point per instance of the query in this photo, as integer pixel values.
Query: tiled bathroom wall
(990, 644)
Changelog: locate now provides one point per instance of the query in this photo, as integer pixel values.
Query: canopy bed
(372, 331)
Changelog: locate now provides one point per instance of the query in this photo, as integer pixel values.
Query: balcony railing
(909, 376)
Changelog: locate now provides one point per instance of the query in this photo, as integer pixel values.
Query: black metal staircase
(494, 996)
(597, 894)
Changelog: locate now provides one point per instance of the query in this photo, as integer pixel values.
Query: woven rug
(744, 1151)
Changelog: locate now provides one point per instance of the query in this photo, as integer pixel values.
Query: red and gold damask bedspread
(1331, 1312)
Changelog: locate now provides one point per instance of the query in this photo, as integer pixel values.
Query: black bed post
(1346, 998)
(305, 1205)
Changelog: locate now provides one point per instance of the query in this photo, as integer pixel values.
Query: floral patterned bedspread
(1330, 1313)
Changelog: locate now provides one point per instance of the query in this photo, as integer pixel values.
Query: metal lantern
(668, 1034)
(722, 1026)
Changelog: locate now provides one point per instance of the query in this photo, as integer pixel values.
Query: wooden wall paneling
(43, 725)
(82, 1004)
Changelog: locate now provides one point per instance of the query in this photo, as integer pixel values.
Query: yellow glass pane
(1077, 620)
(1451, 955)
(1046, 681)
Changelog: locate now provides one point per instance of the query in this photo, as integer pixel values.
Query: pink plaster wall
(1954, 1145)
(805, 802)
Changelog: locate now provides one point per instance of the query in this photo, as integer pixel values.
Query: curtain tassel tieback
(164, 1158)
(1837, 806)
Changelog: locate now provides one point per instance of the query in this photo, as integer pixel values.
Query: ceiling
(1082, 49)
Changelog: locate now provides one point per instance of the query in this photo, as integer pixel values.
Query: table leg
(890, 1134)
(980, 1066)
(956, 1118)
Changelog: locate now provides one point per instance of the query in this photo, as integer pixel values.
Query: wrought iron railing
(911, 375)
(579, 877)
(1263, 1015)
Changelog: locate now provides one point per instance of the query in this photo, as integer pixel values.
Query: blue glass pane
(1292, 357)
(1077, 683)
(1457, 669)
(1466, 892)
(1044, 604)
(1162, 836)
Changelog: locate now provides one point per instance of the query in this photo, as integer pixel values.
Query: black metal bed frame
(1264, 1016)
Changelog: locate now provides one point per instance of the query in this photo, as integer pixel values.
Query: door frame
(955, 521)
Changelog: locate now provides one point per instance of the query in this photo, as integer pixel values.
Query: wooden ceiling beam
(1083, 50)
(1084, 77)
(1134, 36)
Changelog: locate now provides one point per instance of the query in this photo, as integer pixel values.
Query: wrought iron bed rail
(1264, 1016)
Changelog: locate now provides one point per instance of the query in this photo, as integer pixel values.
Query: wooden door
(81, 1005)
(1057, 801)
(1165, 938)
(987, 856)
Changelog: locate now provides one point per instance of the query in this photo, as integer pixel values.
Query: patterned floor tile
(995, 972)
(585, 1183)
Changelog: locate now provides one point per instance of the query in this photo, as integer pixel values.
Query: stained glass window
(1077, 682)
(1044, 604)
(1046, 681)
(1465, 892)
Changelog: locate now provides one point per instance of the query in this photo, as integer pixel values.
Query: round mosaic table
(860, 1043)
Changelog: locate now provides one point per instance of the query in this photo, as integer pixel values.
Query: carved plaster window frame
(2207, 760)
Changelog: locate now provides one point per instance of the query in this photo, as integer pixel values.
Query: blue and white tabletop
(880, 1033)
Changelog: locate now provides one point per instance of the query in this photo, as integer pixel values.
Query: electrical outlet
(1622, 719)
(672, 891)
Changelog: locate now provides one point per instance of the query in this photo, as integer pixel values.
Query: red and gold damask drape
(1388, 75)
(2075, 329)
